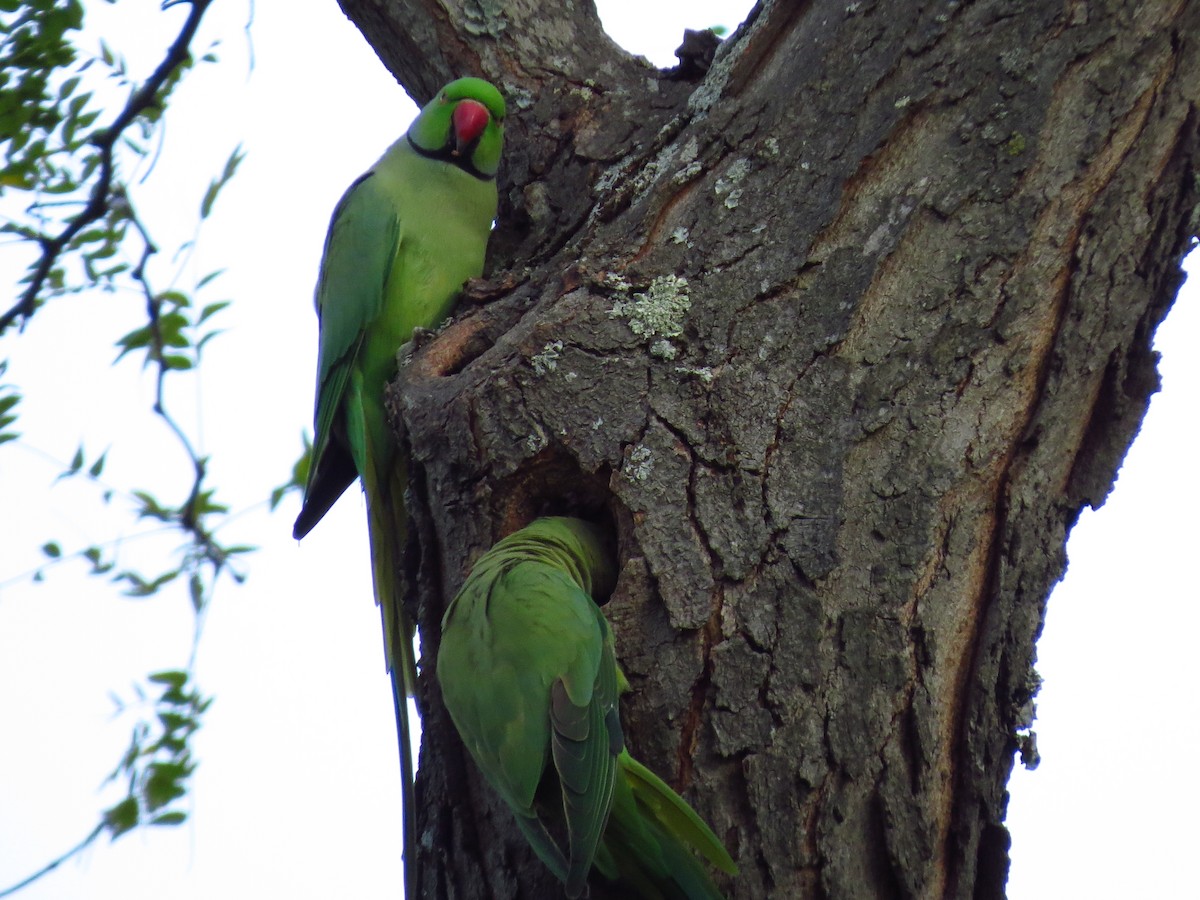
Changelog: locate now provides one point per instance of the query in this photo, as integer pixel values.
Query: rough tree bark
(840, 338)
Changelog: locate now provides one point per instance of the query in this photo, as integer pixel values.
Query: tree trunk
(840, 337)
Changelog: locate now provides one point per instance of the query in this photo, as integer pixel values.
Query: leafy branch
(156, 766)
(107, 197)
(56, 154)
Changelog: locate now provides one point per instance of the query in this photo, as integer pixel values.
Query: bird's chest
(437, 252)
(427, 278)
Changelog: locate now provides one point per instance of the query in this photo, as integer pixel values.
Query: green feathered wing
(529, 676)
(402, 241)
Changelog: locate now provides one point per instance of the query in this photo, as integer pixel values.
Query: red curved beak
(469, 119)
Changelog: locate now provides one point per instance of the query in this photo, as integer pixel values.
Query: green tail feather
(674, 813)
(653, 837)
(387, 527)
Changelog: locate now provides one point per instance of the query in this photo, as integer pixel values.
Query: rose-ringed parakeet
(402, 241)
(529, 676)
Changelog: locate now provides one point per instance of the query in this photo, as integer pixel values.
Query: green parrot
(529, 676)
(403, 240)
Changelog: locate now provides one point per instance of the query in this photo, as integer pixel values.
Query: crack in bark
(689, 732)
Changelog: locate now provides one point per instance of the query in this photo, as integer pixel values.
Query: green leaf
(123, 817)
(151, 508)
(104, 251)
(170, 327)
(139, 587)
(98, 466)
(74, 467)
(175, 678)
(208, 337)
(214, 188)
(52, 549)
(205, 504)
(174, 746)
(75, 107)
(175, 817)
(177, 299)
(67, 88)
(212, 308)
(164, 784)
(196, 591)
(173, 721)
(86, 120)
(135, 340)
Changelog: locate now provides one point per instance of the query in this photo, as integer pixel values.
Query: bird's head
(462, 125)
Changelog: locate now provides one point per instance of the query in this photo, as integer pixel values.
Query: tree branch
(101, 199)
(54, 864)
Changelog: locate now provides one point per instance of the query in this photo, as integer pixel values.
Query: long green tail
(387, 526)
(651, 836)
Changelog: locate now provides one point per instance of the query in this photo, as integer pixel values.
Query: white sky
(296, 792)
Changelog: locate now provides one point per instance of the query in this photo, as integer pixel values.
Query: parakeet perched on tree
(529, 676)
(403, 240)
